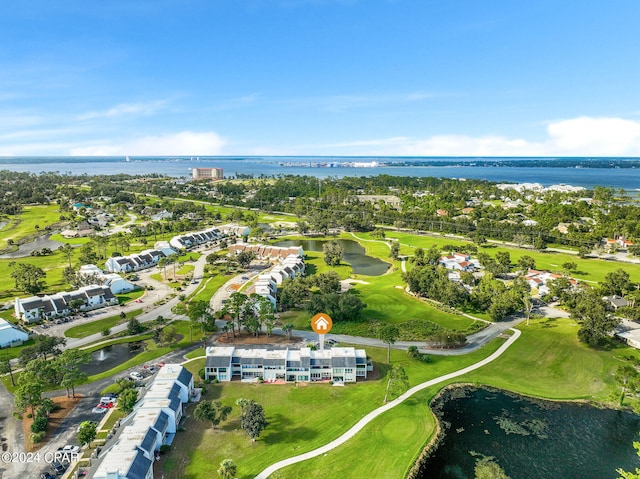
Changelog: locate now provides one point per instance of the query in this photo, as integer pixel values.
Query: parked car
(99, 410)
(46, 475)
(136, 376)
(59, 468)
(69, 448)
(110, 396)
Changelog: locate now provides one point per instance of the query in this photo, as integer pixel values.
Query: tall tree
(596, 323)
(333, 253)
(212, 411)
(67, 250)
(227, 469)
(87, 432)
(28, 394)
(27, 277)
(389, 334)
(253, 420)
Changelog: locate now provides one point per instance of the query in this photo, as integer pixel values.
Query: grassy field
(301, 417)
(94, 327)
(32, 221)
(546, 361)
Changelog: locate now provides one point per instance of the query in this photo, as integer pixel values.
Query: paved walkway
(377, 412)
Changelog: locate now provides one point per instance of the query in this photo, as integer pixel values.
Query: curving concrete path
(376, 412)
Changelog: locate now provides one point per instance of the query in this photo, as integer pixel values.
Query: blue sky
(320, 77)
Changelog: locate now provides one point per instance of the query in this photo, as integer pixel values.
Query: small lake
(108, 358)
(532, 439)
(354, 254)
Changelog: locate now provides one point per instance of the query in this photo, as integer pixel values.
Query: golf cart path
(377, 412)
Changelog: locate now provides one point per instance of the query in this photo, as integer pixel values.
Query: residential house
(286, 365)
(134, 262)
(615, 301)
(11, 334)
(153, 423)
(116, 283)
(37, 308)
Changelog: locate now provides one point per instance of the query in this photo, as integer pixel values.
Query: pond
(530, 438)
(111, 356)
(354, 254)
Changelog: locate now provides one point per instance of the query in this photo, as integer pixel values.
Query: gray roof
(175, 403)
(108, 294)
(48, 306)
(35, 303)
(148, 443)
(60, 304)
(218, 361)
(94, 292)
(162, 422)
(139, 467)
(175, 391)
(185, 377)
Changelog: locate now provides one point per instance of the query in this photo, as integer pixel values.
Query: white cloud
(125, 109)
(182, 143)
(596, 136)
(582, 136)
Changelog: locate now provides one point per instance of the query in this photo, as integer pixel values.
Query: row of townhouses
(134, 262)
(153, 423)
(267, 252)
(190, 240)
(286, 365)
(148, 258)
(116, 283)
(87, 298)
(267, 284)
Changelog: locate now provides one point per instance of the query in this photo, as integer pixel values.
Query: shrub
(37, 436)
(40, 424)
(165, 448)
(17, 415)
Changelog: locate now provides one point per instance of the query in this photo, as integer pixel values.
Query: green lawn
(124, 298)
(209, 286)
(546, 361)
(30, 222)
(301, 418)
(94, 327)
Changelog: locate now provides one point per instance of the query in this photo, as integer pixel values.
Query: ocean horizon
(588, 172)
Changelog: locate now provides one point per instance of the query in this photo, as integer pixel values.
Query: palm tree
(227, 469)
(67, 250)
(287, 328)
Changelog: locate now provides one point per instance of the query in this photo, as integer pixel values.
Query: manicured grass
(124, 298)
(72, 241)
(94, 327)
(549, 361)
(210, 286)
(12, 353)
(301, 418)
(546, 361)
(24, 224)
(186, 269)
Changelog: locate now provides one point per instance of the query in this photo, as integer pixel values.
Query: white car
(69, 448)
(99, 410)
(136, 376)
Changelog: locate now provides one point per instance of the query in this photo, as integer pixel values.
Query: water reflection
(111, 356)
(531, 438)
(354, 254)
